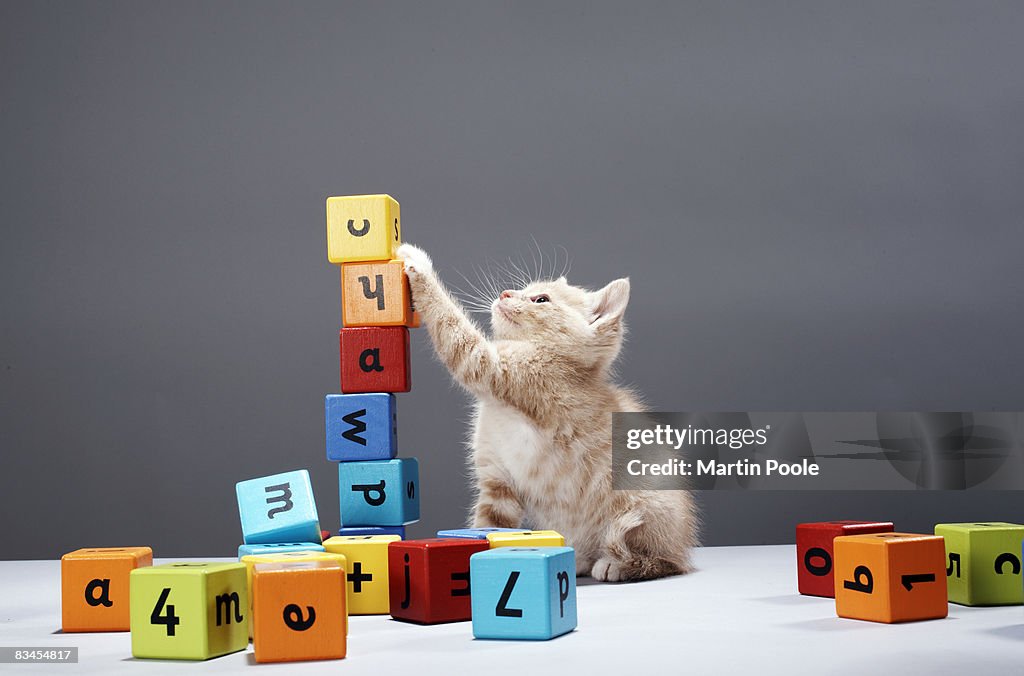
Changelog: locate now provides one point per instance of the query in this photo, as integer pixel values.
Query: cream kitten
(541, 443)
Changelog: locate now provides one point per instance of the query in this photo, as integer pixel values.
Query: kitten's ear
(609, 304)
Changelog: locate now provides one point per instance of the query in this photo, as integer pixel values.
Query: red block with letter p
(815, 553)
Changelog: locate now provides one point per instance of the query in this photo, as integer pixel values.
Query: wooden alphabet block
(250, 561)
(379, 493)
(278, 508)
(189, 611)
(429, 579)
(94, 587)
(375, 359)
(983, 562)
(363, 228)
(366, 565)
(300, 611)
(814, 569)
(890, 577)
(361, 427)
(476, 533)
(373, 530)
(523, 592)
(279, 548)
(375, 294)
(526, 538)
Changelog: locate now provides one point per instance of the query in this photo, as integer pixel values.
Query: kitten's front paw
(608, 570)
(416, 259)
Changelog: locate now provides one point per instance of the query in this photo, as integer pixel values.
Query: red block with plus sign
(429, 579)
(375, 359)
(814, 553)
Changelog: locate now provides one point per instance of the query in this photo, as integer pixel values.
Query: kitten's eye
(541, 299)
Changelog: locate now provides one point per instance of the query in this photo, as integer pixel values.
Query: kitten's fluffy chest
(508, 438)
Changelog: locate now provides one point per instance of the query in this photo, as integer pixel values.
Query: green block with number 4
(983, 566)
(189, 611)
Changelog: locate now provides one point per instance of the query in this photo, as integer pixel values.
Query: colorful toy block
(523, 592)
(429, 579)
(278, 508)
(375, 294)
(300, 611)
(94, 587)
(366, 558)
(375, 359)
(372, 530)
(361, 427)
(890, 577)
(279, 548)
(476, 533)
(189, 611)
(983, 562)
(526, 538)
(814, 559)
(379, 493)
(250, 562)
(363, 228)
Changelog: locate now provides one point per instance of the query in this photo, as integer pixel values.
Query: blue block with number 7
(523, 592)
(360, 427)
(380, 492)
(278, 508)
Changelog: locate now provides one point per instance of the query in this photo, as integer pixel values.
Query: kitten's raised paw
(416, 259)
(608, 570)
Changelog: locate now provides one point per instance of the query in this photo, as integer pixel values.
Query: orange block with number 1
(890, 577)
(299, 611)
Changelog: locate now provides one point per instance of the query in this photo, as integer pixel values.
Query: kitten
(541, 443)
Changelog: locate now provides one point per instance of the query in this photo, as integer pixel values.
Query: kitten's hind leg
(637, 549)
(497, 506)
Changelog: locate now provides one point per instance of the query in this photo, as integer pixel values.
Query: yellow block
(367, 567)
(362, 228)
(189, 611)
(528, 538)
(252, 559)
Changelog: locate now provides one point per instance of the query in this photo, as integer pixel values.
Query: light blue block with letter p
(278, 508)
(360, 427)
(280, 548)
(379, 493)
(523, 592)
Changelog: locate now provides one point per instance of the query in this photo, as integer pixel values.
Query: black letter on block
(294, 620)
(461, 577)
(909, 580)
(502, 609)
(369, 360)
(228, 602)
(817, 553)
(856, 585)
(361, 231)
(954, 562)
(366, 489)
(1010, 559)
(358, 426)
(170, 620)
(563, 593)
(103, 599)
(408, 597)
(378, 293)
(410, 490)
(285, 497)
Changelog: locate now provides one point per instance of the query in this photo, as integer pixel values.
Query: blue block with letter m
(523, 592)
(379, 493)
(360, 427)
(278, 508)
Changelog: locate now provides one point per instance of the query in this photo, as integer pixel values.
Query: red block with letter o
(814, 552)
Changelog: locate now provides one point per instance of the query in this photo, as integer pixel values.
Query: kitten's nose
(506, 294)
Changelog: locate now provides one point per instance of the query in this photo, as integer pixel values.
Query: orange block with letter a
(890, 577)
(94, 587)
(299, 611)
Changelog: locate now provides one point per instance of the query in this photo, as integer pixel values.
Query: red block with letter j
(375, 359)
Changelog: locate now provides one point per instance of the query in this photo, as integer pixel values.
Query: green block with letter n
(983, 562)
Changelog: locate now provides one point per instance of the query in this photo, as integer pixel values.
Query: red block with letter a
(375, 359)
(814, 553)
(429, 579)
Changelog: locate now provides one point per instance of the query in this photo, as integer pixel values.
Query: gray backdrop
(819, 205)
